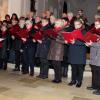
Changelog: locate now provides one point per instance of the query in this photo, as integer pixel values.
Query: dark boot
(73, 82)
(45, 71)
(32, 71)
(78, 85)
(5, 67)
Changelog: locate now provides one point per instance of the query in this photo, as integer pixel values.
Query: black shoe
(64, 76)
(64, 72)
(56, 81)
(5, 67)
(16, 69)
(39, 76)
(90, 88)
(78, 85)
(25, 72)
(31, 74)
(97, 92)
(42, 77)
(72, 83)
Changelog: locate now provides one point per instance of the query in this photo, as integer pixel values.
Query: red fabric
(95, 31)
(38, 26)
(23, 33)
(49, 33)
(14, 30)
(1, 44)
(76, 34)
(68, 37)
(37, 36)
(89, 36)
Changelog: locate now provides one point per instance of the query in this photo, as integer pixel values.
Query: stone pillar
(25, 7)
(40, 6)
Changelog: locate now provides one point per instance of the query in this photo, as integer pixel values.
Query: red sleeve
(14, 30)
(37, 36)
(23, 33)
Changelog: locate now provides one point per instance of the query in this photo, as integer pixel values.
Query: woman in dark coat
(29, 49)
(43, 48)
(67, 28)
(4, 47)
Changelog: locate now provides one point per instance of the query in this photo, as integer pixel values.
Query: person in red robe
(29, 49)
(15, 43)
(4, 47)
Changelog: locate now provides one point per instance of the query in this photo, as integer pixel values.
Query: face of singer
(70, 15)
(37, 19)
(78, 24)
(21, 23)
(28, 24)
(66, 23)
(3, 28)
(59, 23)
(14, 22)
(44, 22)
(97, 24)
(52, 19)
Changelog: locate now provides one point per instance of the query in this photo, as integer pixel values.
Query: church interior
(17, 86)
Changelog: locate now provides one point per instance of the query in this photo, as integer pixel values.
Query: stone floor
(14, 86)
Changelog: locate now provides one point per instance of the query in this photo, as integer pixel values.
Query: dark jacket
(5, 44)
(43, 48)
(77, 52)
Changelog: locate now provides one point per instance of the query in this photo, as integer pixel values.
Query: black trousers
(64, 65)
(44, 67)
(57, 69)
(28, 59)
(95, 76)
(77, 72)
(4, 56)
(17, 59)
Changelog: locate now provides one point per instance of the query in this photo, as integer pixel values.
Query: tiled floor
(14, 86)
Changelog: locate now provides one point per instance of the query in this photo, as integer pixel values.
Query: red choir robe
(38, 26)
(22, 33)
(37, 36)
(48, 33)
(14, 30)
(95, 31)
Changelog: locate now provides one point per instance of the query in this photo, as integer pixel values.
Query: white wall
(21, 7)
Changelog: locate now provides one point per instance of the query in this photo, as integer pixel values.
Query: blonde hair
(59, 22)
